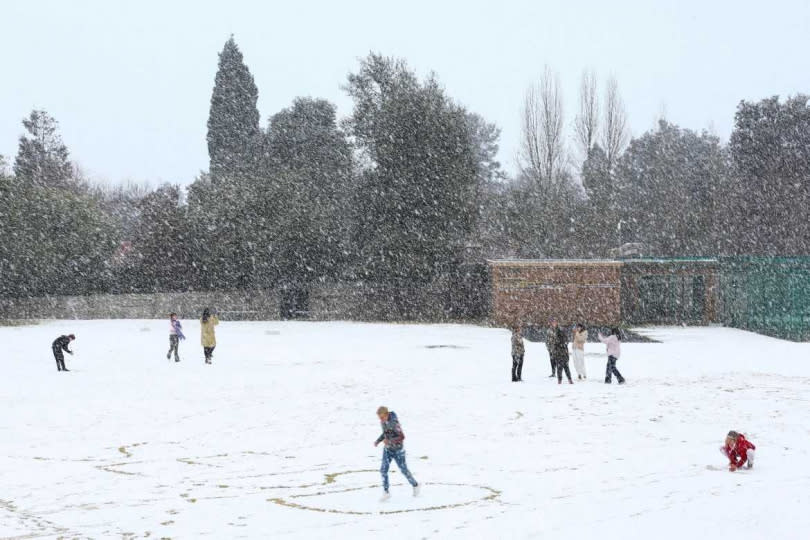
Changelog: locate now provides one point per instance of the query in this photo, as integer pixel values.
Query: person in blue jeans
(393, 437)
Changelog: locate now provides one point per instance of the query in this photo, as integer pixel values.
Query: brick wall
(532, 292)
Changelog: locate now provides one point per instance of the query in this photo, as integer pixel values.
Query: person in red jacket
(738, 450)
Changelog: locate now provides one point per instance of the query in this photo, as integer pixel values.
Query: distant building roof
(665, 260)
(635, 260)
(523, 262)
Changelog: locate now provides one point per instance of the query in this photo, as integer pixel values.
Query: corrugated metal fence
(768, 295)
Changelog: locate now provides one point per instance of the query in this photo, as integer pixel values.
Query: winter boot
(385, 496)
(416, 490)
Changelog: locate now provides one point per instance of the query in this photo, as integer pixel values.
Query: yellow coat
(207, 332)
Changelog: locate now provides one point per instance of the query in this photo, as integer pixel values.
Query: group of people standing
(207, 337)
(557, 346)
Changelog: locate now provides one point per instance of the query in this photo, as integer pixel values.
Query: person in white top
(580, 336)
(614, 350)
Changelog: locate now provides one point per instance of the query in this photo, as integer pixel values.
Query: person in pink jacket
(614, 350)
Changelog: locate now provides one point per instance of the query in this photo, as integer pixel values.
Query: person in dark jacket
(393, 437)
(551, 337)
(518, 350)
(61, 344)
(557, 345)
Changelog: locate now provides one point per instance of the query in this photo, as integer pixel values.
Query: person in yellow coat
(208, 338)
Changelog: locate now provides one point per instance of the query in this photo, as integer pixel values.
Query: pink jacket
(614, 347)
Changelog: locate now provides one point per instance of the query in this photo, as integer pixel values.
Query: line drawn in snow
(192, 461)
(32, 522)
(115, 468)
(124, 448)
(487, 494)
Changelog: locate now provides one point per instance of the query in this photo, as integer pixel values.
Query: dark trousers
(553, 365)
(517, 367)
(611, 370)
(209, 352)
(562, 364)
(60, 359)
(174, 341)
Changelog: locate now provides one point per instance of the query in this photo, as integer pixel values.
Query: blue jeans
(397, 455)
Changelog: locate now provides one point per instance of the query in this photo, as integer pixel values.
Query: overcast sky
(130, 82)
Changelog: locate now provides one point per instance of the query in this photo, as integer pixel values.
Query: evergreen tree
(770, 195)
(233, 120)
(217, 214)
(56, 239)
(42, 157)
(217, 201)
(306, 147)
(161, 243)
(490, 185)
(667, 184)
(416, 202)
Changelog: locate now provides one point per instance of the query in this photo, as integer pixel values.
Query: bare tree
(543, 147)
(586, 124)
(614, 125)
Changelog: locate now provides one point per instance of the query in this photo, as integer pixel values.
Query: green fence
(768, 295)
(668, 291)
(670, 299)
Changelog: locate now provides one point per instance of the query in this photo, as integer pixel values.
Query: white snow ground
(274, 440)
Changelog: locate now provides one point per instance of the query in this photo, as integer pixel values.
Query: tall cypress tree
(233, 121)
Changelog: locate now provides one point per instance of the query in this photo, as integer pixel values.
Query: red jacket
(738, 454)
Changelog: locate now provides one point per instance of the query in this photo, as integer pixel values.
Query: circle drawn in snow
(365, 500)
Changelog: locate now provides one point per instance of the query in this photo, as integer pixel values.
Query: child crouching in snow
(738, 450)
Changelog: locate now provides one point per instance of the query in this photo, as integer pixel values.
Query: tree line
(405, 192)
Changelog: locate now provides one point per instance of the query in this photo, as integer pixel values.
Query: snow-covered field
(274, 440)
